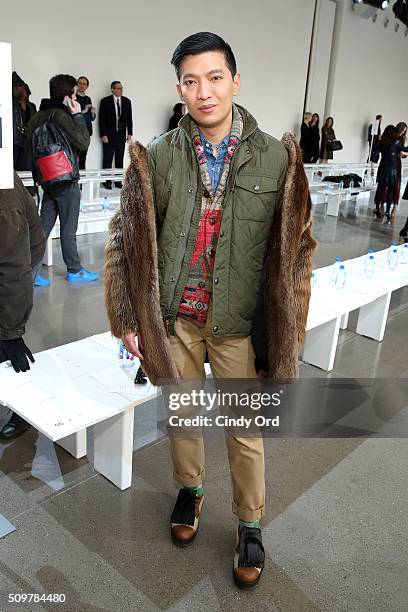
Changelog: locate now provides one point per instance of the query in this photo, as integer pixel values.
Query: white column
(320, 345)
(372, 318)
(113, 448)
(75, 444)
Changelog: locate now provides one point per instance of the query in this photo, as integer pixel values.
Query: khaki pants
(230, 357)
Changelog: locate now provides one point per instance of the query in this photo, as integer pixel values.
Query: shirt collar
(117, 97)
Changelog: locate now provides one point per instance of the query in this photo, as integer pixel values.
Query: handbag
(334, 145)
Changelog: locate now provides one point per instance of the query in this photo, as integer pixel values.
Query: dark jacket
(306, 142)
(107, 117)
(18, 124)
(388, 169)
(315, 143)
(88, 116)
(328, 135)
(265, 247)
(22, 246)
(73, 126)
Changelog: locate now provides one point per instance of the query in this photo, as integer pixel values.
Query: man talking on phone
(63, 201)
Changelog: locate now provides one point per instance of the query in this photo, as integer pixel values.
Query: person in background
(179, 111)
(115, 128)
(392, 145)
(315, 128)
(306, 138)
(88, 112)
(401, 129)
(375, 139)
(19, 132)
(328, 135)
(22, 246)
(63, 200)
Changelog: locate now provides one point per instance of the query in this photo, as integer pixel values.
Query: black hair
(114, 83)
(203, 42)
(62, 85)
(378, 117)
(86, 79)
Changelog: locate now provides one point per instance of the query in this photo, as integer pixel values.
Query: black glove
(17, 352)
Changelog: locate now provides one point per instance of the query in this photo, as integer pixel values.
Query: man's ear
(237, 84)
(179, 92)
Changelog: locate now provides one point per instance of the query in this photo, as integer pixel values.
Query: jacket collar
(250, 124)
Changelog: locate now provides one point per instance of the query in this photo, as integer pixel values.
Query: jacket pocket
(255, 197)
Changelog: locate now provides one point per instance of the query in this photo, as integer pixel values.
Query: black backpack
(54, 162)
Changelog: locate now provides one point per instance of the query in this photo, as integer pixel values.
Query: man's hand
(74, 107)
(17, 352)
(129, 341)
(105, 139)
(129, 138)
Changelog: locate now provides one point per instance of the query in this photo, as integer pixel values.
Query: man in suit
(115, 127)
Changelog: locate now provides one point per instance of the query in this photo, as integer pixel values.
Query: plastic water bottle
(313, 279)
(370, 267)
(105, 203)
(341, 277)
(335, 269)
(393, 260)
(351, 184)
(403, 253)
(341, 185)
(390, 250)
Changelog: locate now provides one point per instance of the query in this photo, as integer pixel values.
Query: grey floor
(336, 526)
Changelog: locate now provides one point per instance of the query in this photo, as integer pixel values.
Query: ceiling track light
(377, 4)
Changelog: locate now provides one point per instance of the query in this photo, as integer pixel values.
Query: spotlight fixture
(377, 4)
(400, 10)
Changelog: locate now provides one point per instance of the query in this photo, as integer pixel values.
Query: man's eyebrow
(190, 75)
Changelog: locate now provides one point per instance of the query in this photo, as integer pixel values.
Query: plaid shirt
(197, 293)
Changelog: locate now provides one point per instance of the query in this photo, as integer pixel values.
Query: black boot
(15, 427)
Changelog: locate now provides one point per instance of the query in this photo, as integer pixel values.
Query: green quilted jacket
(253, 194)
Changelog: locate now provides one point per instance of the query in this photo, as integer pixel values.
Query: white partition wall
(6, 119)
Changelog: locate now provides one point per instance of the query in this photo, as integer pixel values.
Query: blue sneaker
(40, 281)
(83, 276)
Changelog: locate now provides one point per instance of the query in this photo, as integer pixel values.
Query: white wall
(133, 41)
(369, 79)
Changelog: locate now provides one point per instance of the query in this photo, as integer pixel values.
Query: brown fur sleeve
(289, 269)
(118, 306)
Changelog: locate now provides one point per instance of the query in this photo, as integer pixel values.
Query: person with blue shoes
(63, 200)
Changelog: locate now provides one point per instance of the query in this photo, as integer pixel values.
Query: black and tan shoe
(249, 559)
(185, 517)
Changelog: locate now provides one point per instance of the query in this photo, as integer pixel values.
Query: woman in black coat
(315, 127)
(328, 135)
(389, 173)
(306, 138)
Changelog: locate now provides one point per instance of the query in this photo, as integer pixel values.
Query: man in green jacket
(217, 183)
(22, 246)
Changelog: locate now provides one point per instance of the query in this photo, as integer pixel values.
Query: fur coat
(132, 291)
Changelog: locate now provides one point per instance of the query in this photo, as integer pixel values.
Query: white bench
(330, 307)
(335, 196)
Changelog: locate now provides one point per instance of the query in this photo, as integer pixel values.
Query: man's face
(82, 85)
(207, 88)
(117, 89)
(18, 91)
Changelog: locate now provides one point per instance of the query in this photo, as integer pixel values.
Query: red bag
(54, 166)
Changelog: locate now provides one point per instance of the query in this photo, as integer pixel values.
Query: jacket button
(216, 280)
(215, 328)
(256, 187)
(248, 150)
(190, 190)
(221, 234)
(182, 234)
(173, 279)
(213, 220)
